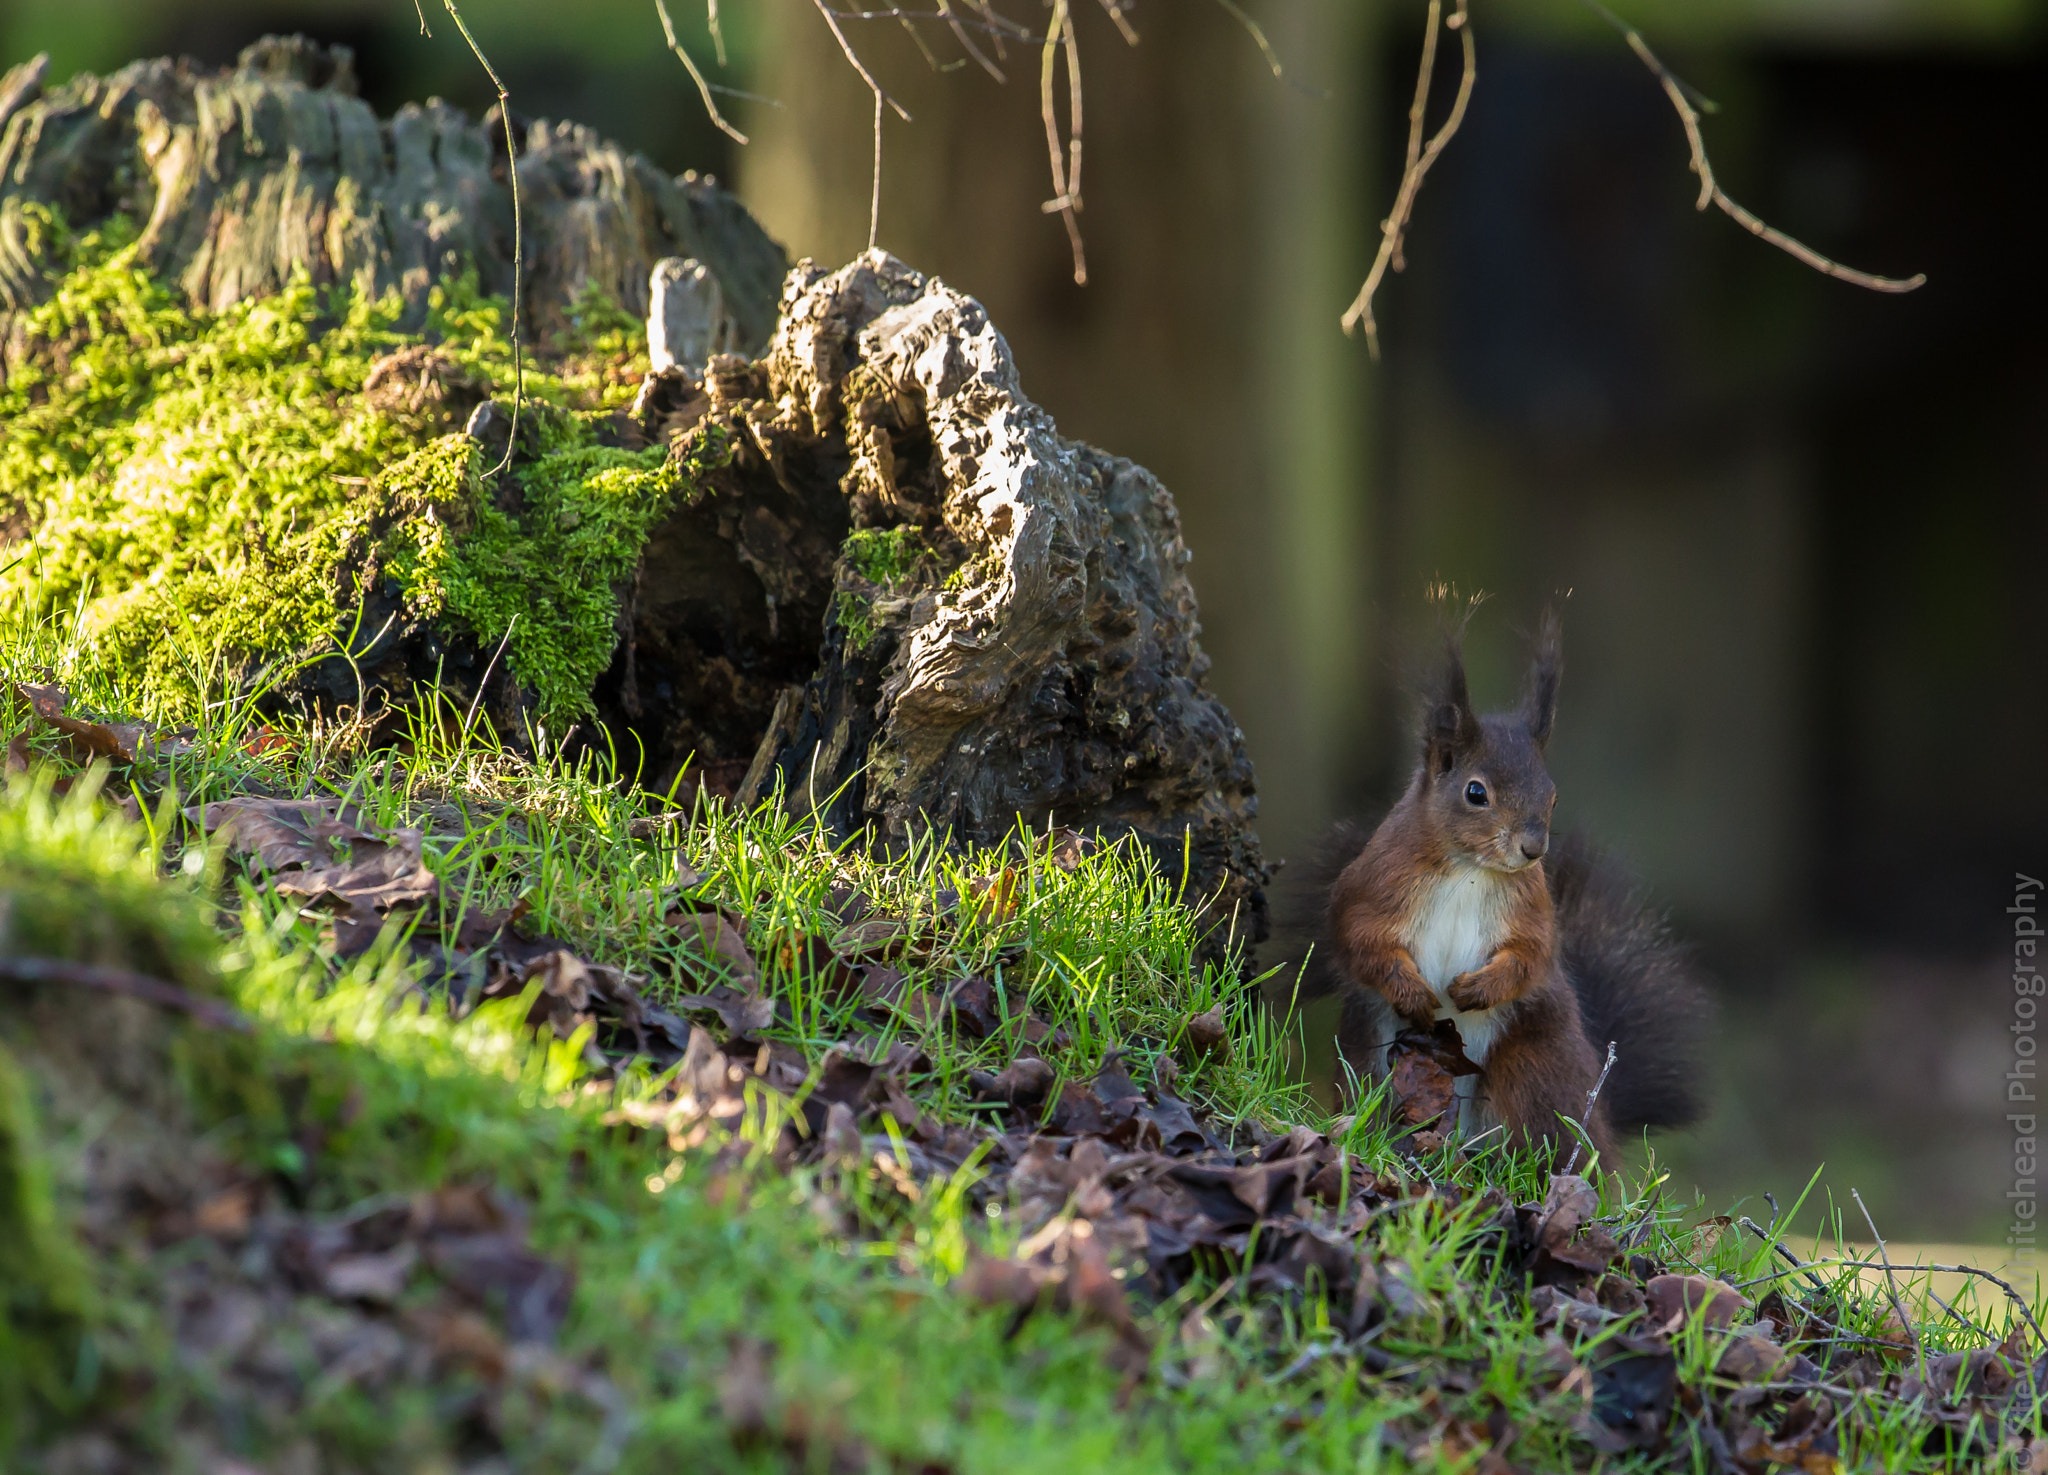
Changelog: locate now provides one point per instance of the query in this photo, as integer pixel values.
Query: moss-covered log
(239, 180)
(264, 427)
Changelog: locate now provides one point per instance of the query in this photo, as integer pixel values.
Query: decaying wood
(1045, 663)
(241, 177)
(1038, 658)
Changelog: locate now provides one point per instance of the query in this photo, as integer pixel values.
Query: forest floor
(380, 1105)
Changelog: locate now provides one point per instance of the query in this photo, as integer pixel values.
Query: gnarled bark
(893, 593)
(1044, 663)
(242, 177)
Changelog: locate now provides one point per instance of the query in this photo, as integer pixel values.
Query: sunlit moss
(540, 580)
(202, 492)
(885, 556)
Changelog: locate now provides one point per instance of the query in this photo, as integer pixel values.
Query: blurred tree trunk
(1225, 232)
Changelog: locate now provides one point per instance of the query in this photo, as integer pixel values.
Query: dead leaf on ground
(1208, 1037)
(1674, 1298)
(996, 899)
(320, 852)
(718, 936)
(117, 742)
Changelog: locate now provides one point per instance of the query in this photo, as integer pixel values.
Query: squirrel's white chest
(1458, 923)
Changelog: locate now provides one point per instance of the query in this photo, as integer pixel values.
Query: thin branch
(875, 190)
(1072, 46)
(998, 26)
(127, 983)
(1258, 35)
(1066, 181)
(1592, 1099)
(717, 31)
(1710, 188)
(993, 22)
(917, 39)
(1891, 1285)
(518, 233)
(967, 42)
(668, 30)
(1115, 10)
(853, 59)
(489, 670)
(1420, 157)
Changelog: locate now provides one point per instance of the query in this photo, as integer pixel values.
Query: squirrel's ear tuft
(1546, 671)
(1452, 726)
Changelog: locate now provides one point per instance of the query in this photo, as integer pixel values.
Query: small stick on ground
(1891, 1285)
(127, 983)
(1592, 1097)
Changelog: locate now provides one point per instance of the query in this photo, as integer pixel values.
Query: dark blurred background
(1801, 525)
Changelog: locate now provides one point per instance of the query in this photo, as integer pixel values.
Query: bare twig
(1419, 158)
(967, 42)
(859, 66)
(477, 701)
(1710, 188)
(917, 40)
(126, 982)
(1592, 1099)
(717, 31)
(518, 233)
(1257, 34)
(1116, 11)
(1778, 1247)
(875, 189)
(1891, 1285)
(668, 31)
(1066, 173)
(1856, 1263)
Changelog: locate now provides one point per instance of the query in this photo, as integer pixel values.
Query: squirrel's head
(1484, 783)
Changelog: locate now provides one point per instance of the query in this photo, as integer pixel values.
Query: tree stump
(885, 588)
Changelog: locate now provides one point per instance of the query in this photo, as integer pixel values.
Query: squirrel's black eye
(1475, 794)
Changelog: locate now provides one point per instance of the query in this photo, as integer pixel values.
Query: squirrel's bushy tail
(1306, 964)
(1636, 986)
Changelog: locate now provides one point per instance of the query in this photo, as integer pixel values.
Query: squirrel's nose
(1533, 846)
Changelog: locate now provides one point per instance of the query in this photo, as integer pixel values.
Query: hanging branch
(853, 59)
(967, 42)
(1710, 188)
(1115, 9)
(1258, 35)
(1420, 157)
(717, 31)
(518, 235)
(1066, 176)
(668, 30)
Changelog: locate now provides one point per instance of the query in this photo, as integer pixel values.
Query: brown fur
(1445, 864)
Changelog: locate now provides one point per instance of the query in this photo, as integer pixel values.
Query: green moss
(77, 883)
(885, 556)
(198, 486)
(42, 1282)
(544, 576)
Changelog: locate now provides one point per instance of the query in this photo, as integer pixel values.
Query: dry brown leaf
(1674, 1298)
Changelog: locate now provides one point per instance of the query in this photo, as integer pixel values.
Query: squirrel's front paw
(1416, 1006)
(1468, 993)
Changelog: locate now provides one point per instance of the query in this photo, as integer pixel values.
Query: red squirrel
(1460, 907)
